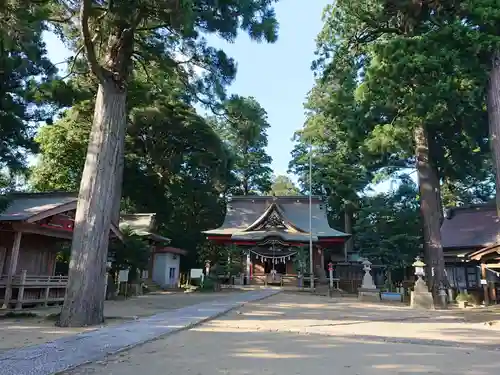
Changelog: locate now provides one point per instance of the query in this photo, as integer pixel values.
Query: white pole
(311, 266)
(330, 273)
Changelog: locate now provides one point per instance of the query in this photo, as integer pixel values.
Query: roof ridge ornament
(272, 218)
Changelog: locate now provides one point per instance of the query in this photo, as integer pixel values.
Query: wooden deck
(33, 290)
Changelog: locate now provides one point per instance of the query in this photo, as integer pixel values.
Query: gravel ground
(301, 334)
(20, 332)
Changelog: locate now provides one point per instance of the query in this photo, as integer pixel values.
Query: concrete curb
(69, 352)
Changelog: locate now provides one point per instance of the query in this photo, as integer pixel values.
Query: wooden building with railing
(32, 229)
(470, 236)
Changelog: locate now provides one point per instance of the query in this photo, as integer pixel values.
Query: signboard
(484, 282)
(123, 276)
(196, 273)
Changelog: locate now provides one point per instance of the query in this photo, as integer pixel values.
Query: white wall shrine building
(271, 231)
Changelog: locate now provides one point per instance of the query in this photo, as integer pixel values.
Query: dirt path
(291, 334)
(24, 331)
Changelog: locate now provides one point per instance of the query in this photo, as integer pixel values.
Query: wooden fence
(34, 290)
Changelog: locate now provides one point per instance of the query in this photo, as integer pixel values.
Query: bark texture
(430, 206)
(84, 302)
(494, 120)
(115, 218)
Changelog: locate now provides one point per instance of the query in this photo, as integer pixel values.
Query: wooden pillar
(3, 255)
(322, 275)
(14, 255)
(322, 257)
(20, 294)
(485, 286)
(348, 245)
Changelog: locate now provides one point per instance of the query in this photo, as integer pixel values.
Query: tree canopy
(397, 91)
(282, 186)
(244, 131)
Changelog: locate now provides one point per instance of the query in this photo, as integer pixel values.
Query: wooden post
(46, 297)
(321, 252)
(3, 254)
(348, 245)
(20, 294)
(485, 286)
(14, 255)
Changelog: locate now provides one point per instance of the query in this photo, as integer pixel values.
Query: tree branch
(88, 41)
(73, 62)
(139, 59)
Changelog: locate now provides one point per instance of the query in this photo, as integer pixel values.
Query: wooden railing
(33, 290)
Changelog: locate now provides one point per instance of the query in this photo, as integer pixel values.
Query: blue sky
(277, 75)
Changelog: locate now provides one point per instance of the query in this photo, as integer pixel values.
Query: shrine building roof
(254, 218)
(470, 227)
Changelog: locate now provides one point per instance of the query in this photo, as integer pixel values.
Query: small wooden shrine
(272, 230)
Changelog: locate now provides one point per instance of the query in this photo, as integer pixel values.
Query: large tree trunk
(494, 120)
(430, 205)
(115, 217)
(84, 302)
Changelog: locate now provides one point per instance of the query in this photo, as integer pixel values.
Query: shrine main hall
(273, 231)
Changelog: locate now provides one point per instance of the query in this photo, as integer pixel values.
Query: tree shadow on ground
(213, 352)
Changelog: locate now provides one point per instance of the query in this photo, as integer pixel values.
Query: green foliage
(301, 260)
(7, 185)
(464, 297)
(388, 228)
(224, 259)
(169, 35)
(132, 253)
(412, 74)
(385, 70)
(24, 70)
(244, 131)
(171, 152)
(62, 146)
(283, 186)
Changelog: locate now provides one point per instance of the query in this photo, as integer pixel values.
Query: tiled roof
(470, 227)
(139, 223)
(22, 206)
(142, 225)
(242, 212)
(171, 250)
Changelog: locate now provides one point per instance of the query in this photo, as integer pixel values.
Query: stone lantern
(419, 271)
(367, 278)
(368, 290)
(420, 296)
